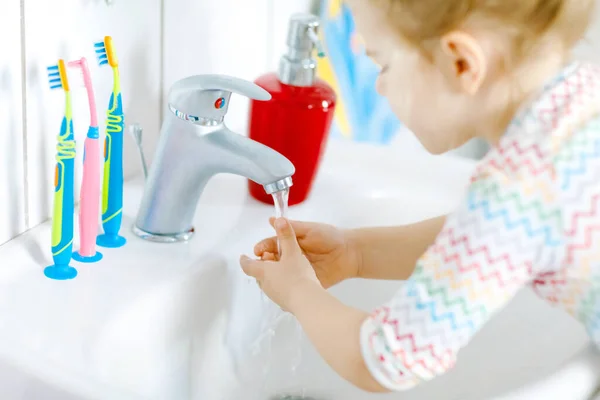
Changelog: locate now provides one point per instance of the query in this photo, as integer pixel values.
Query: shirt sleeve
(502, 236)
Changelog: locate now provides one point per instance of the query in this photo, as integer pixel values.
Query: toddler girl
(453, 70)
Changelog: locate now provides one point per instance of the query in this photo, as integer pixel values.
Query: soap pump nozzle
(314, 37)
(297, 67)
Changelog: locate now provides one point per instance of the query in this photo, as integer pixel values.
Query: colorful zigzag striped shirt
(531, 216)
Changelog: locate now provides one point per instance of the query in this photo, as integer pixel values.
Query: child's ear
(463, 61)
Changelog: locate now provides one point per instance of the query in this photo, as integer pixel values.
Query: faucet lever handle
(207, 96)
(235, 85)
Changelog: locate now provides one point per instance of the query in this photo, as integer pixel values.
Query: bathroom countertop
(59, 330)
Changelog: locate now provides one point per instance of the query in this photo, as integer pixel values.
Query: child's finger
(266, 245)
(287, 238)
(253, 268)
(301, 228)
(267, 256)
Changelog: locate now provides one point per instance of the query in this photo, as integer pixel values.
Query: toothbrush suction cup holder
(60, 272)
(110, 241)
(85, 259)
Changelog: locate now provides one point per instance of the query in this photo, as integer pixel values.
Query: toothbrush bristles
(101, 55)
(54, 77)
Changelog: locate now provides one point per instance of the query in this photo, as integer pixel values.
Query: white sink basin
(166, 321)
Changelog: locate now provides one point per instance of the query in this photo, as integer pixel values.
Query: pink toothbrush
(89, 207)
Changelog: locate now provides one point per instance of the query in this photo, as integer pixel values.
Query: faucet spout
(186, 161)
(283, 184)
(239, 155)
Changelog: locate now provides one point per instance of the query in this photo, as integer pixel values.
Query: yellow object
(62, 70)
(335, 7)
(110, 52)
(326, 72)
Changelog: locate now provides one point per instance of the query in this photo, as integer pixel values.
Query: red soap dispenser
(296, 121)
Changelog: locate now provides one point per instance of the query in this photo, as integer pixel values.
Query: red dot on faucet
(220, 103)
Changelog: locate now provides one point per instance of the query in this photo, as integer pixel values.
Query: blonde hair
(524, 22)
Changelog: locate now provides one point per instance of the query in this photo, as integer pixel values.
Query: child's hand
(333, 327)
(280, 280)
(329, 250)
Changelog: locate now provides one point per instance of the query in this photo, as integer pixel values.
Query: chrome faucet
(195, 145)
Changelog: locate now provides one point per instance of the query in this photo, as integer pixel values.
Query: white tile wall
(158, 42)
(12, 179)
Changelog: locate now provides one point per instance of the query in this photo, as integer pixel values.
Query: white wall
(12, 178)
(158, 42)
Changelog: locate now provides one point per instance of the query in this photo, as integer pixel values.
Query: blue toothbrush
(112, 187)
(64, 201)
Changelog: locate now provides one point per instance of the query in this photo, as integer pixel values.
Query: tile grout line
(270, 33)
(161, 77)
(24, 115)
